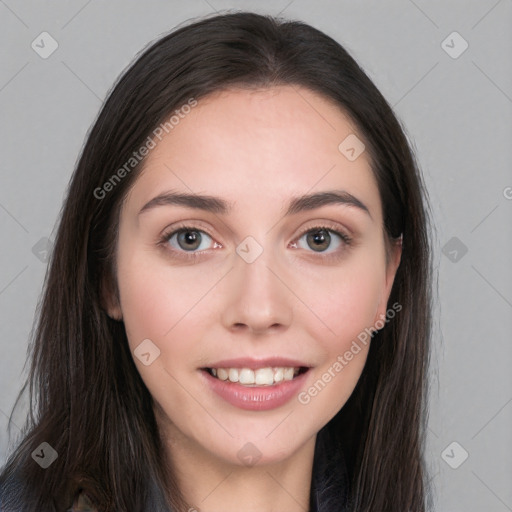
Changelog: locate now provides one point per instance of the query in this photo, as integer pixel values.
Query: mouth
(265, 376)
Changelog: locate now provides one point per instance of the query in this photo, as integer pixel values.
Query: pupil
(321, 239)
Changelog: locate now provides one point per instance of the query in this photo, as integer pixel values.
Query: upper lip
(253, 364)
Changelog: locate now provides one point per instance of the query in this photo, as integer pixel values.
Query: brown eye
(319, 239)
(324, 240)
(187, 239)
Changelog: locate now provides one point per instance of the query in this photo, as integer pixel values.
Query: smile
(268, 376)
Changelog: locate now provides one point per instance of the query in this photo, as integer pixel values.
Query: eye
(320, 238)
(187, 240)
(190, 242)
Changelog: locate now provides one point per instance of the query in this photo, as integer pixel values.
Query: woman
(281, 362)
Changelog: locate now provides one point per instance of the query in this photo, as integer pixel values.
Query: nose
(256, 297)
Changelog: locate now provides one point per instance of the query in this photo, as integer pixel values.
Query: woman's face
(254, 283)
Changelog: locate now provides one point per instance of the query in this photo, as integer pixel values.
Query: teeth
(222, 374)
(260, 377)
(265, 376)
(288, 374)
(246, 376)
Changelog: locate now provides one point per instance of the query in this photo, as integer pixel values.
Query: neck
(210, 484)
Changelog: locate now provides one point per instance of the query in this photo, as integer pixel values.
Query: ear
(395, 255)
(110, 299)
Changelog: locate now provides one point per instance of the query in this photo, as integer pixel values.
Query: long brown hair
(89, 400)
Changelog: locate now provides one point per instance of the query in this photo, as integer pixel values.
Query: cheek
(344, 300)
(147, 311)
(351, 306)
(345, 303)
(148, 300)
(164, 309)
(162, 304)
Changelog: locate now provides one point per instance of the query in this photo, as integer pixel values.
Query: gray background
(457, 113)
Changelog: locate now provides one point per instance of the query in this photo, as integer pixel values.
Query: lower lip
(256, 398)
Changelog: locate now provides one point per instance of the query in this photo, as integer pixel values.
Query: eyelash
(192, 256)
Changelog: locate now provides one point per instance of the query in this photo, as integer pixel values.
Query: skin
(256, 149)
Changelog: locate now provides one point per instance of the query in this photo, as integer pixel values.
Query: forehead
(255, 147)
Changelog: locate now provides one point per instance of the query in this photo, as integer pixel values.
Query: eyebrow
(220, 206)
